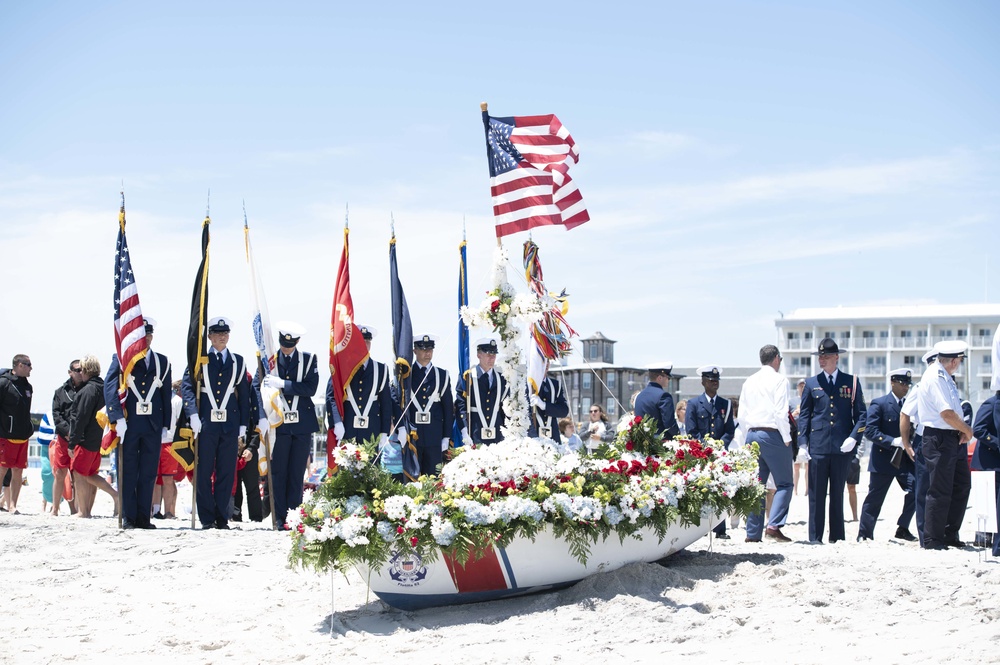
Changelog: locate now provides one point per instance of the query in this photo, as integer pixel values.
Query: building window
(878, 387)
(611, 380)
(585, 405)
(576, 381)
(829, 333)
(961, 332)
(868, 334)
(846, 334)
(960, 385)
(808, 335)
(593, 351)
(921, 333)
(909, 360)
(986, 384)
(883, 333)
(610, 406)
(906, 333)
(947, 333)
(984, 332)
(793, 335)
(586, 381)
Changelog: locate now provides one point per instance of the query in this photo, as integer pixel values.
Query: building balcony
(872, 343)
(872, 370)
(798, 345)
(909, 343)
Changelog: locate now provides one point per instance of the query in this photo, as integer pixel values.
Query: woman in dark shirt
(85, 438)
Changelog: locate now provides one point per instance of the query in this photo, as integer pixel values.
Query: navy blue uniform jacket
(442, 410)
(881, 427)
(556, 407)
(657, 403)
(220, 375)
(288, 369)
(144, 378)
(702, 420)
(987, 455)
(827, 416)
(492, 400)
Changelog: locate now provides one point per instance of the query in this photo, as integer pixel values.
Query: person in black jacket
(62, 406)
(15, 425)
(85, 435)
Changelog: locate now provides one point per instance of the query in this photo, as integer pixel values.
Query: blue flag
(402, 345)
(463, 340)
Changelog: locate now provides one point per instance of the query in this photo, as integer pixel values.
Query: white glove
(166, 436)
(271, 381)
(537, 402)
(848, 445)
(803, 450)
(120, 427)
(466, 437)
(338, 431)
(196, 424)
(401, 435)
(444, 444)
(243, 431)
(383, 441)
(263, 426)
(897, 442)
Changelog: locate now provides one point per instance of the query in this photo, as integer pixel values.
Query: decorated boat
(525, 566)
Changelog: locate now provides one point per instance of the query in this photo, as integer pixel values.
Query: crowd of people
(918, 434)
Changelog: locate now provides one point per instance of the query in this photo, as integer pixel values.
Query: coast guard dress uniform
(479, 404)
(293, 384)
(710, 417)
(430, 408)
(219, 416)
(987, 454)
(831, 422)
(143, 424)
(367, 401)
(920, 480)
(654, 401)
(547, 407)
(882, 429)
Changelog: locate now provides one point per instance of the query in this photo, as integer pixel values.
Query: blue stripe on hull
(417, 601)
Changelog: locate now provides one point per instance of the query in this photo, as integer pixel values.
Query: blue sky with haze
(738, 159)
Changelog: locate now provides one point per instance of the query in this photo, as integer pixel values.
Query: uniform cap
(486, 345)
(929, 357)
(951, 349)
(424, 342)
(709, 372)
(663, 367)
(367, 332)
(149, 323)
(827, 347)
(901, 375)
(218, 324)
(289, 333)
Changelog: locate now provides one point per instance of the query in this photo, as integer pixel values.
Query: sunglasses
(595, 411)
(76, 370)
(25, 364)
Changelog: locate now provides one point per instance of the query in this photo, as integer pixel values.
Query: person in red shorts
(15, 425)
(85, 435)
(62, 406)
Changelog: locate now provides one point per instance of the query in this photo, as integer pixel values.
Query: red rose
(680, 454)
(399, 529)
(629, 446)
(726, 468)
(495, 305)
(413, 541)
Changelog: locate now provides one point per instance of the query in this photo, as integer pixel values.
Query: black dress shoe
(904, 534)
(145, 525)
(221, 524)
(127, 525)
(954, 542)
(236, 517)
(157, 515)
(934, 545)
(208, 526)
(860, 538)
(722, 536)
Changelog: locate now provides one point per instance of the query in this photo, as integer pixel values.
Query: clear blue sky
(738, 159)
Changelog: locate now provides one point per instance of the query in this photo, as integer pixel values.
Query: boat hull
(407, 582)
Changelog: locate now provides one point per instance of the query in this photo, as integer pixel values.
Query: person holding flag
(429, 406)
(289, 391)
(367, 401)
(143, 423)
(480, 404)
(548, 405)
(220, 418)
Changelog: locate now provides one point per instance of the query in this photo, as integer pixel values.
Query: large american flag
(130, 330)
(529, 159)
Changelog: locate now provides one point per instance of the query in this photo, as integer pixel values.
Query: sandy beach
(83, 591)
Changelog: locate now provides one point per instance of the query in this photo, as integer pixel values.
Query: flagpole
(121, 378)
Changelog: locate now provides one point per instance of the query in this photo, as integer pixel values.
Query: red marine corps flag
(347, 347)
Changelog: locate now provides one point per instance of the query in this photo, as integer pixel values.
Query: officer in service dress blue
(143, 424)
(945, 448)
(831, 422)
(479, 403)
(430, 406)
(547, 407)
(367, 401)
(710, 415)
(888, 462)
(654, 400)
(291, 388)
(219, 415)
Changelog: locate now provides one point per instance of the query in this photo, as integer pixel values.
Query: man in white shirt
(764, 420)
(945, 448)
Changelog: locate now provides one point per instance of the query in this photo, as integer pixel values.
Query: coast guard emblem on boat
(407, 569)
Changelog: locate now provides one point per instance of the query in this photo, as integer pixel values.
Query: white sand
(81, 590)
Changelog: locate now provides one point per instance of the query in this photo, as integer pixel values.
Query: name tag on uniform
(488, 433)
(291, 416)
(219, 415)
(545, 432)
(143, 408)
(423, 418)
(360, 422)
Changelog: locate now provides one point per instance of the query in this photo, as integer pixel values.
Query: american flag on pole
(529, 158)
(130, 330)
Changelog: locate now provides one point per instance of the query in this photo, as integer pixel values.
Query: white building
(875, 340)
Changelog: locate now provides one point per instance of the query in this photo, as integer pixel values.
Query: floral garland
(489, 495)
(501, 310)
